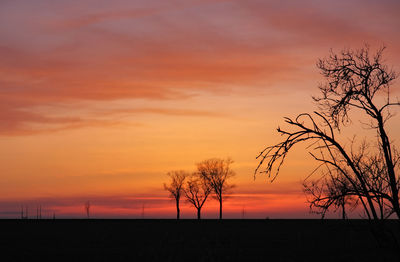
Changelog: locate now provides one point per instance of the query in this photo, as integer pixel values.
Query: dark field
(192, 240)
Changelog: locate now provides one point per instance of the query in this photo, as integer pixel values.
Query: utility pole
(24, 216)
(87, 208)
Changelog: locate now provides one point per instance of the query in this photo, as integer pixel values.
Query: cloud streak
(156, 51)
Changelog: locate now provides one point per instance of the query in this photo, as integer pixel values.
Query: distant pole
(87, 208)
(243, 212)
(40, 211)
(24, 216)
(143, 211)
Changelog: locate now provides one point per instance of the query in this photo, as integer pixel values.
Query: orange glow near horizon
(100, 100)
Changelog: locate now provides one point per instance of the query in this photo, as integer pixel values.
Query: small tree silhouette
(196, 191)
(216, 172)
(175, 187)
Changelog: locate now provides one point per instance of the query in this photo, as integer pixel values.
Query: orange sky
(100, 99)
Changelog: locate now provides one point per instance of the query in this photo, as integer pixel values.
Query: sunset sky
(100, 99)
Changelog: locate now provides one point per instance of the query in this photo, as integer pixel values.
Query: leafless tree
(355, 80)
(87, 208)
(333, 189)
(196, 191)
(330, 190)
(175, 187)
(217, 172)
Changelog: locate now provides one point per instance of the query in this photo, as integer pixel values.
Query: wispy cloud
(164, 51)
(166, 111)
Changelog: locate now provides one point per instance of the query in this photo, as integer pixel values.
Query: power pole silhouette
(24, 216)
(143, 211)
(87, 208)
(39, 212)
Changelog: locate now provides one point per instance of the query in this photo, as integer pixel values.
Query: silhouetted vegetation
(355, 80)
(212, 176)
(196, 191)
(175, 187)
(216, 172)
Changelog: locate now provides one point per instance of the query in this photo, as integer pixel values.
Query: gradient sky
(100, 99)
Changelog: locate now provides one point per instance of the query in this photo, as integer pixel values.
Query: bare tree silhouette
(175, 187)
(330, 190)
(216, 173)
(196, 191)
(355, 80)
(87, 208)
(333, 189)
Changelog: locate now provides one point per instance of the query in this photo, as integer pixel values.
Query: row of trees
(358, 173)
(210, 178)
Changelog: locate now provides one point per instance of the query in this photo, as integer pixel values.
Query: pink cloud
(161, 52)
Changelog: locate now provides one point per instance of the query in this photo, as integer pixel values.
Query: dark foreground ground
(192, 240)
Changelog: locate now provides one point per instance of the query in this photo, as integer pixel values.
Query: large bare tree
(197, 191)
(216, 172)
(355, 80)
(175, 187)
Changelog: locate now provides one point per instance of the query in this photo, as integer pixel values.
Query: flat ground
(192, 240)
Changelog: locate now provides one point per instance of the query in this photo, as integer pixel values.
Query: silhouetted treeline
(211, 177)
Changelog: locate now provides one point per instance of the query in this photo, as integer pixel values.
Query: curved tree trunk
(390, 166)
